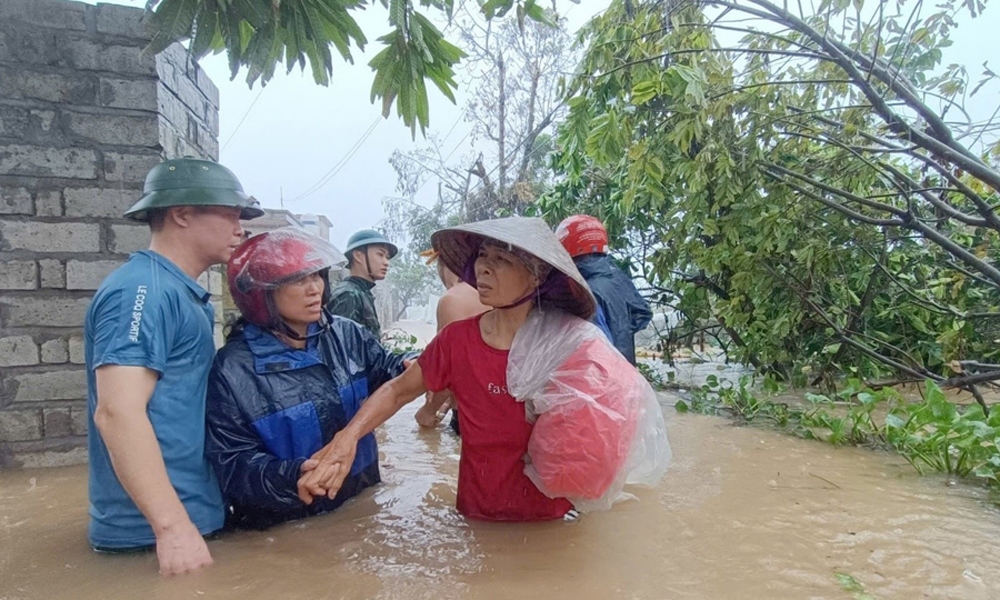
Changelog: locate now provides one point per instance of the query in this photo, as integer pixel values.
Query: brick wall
(83, 116)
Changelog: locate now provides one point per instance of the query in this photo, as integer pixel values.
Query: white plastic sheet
(597, 424)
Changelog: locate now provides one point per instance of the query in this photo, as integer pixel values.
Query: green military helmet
(192, 182)
(369, 237)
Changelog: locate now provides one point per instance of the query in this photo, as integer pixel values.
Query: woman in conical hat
(516, 264)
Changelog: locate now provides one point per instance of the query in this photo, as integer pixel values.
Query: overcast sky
(286, 138)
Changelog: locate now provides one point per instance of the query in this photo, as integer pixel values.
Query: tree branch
(835, 205)
(967, 380)
(934, 200)
(983, 207)
(839, 192)
(943, 144)
(700, 50)
(988, 270)
(744, 88)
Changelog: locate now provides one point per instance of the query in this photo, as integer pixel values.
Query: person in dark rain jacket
(624, 311)
(290, 376)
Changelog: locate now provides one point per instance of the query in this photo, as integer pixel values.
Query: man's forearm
(138, 463)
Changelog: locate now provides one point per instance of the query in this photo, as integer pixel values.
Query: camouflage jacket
(352, 298)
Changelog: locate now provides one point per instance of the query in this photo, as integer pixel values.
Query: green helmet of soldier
(192, 182)
(369, 237)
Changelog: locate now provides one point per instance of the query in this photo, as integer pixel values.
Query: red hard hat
(583, 234)
(266, 261)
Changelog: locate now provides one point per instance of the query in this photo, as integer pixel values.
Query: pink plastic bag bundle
(598, 425)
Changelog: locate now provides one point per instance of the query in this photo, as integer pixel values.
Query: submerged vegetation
(933, 434)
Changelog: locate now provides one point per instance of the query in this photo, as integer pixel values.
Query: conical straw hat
(457, 247)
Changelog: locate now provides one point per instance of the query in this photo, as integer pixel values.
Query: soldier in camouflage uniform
(368, 255)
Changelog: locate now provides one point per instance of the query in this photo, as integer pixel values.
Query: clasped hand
(325, 471)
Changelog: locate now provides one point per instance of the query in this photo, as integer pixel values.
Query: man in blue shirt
(149, 348)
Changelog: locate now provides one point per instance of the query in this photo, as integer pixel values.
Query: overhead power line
(245, 115)
(340, 164)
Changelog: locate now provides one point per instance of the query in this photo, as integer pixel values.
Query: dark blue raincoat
(270, 407)
(625, 311)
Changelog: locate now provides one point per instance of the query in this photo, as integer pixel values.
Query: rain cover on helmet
(268, 260)
(271, 259)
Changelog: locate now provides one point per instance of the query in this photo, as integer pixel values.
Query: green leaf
(893, 421)
(205, 31)
(681, 406)
(496, 8)
(919, 35)
(172, 21)
(644, 91)
(540, 14)
(654, 168)
(397, 13)
(849, 584)
(255, 12)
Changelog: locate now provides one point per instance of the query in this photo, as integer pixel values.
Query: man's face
(214, 231)
(378, 261)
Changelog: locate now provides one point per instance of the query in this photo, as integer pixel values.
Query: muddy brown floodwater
(742, 513)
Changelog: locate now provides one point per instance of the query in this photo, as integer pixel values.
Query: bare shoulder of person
(448, 309)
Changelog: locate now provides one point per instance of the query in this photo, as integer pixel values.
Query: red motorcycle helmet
(583, 234)
(266, 261)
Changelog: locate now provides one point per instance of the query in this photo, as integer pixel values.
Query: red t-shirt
(491, 480)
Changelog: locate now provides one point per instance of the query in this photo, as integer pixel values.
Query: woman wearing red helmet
(289, 377)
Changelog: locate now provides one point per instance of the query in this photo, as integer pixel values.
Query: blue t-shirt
(149, 313)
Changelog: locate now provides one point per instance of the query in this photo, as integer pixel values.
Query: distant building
(317, 225)
(275, 218)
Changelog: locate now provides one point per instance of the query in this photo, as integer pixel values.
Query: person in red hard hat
(624, 311)
(290, 376)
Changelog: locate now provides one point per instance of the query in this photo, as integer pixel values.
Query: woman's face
(300, 302)
(501, 278)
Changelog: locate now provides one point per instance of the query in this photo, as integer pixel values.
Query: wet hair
(233, 329)
(155, 218)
